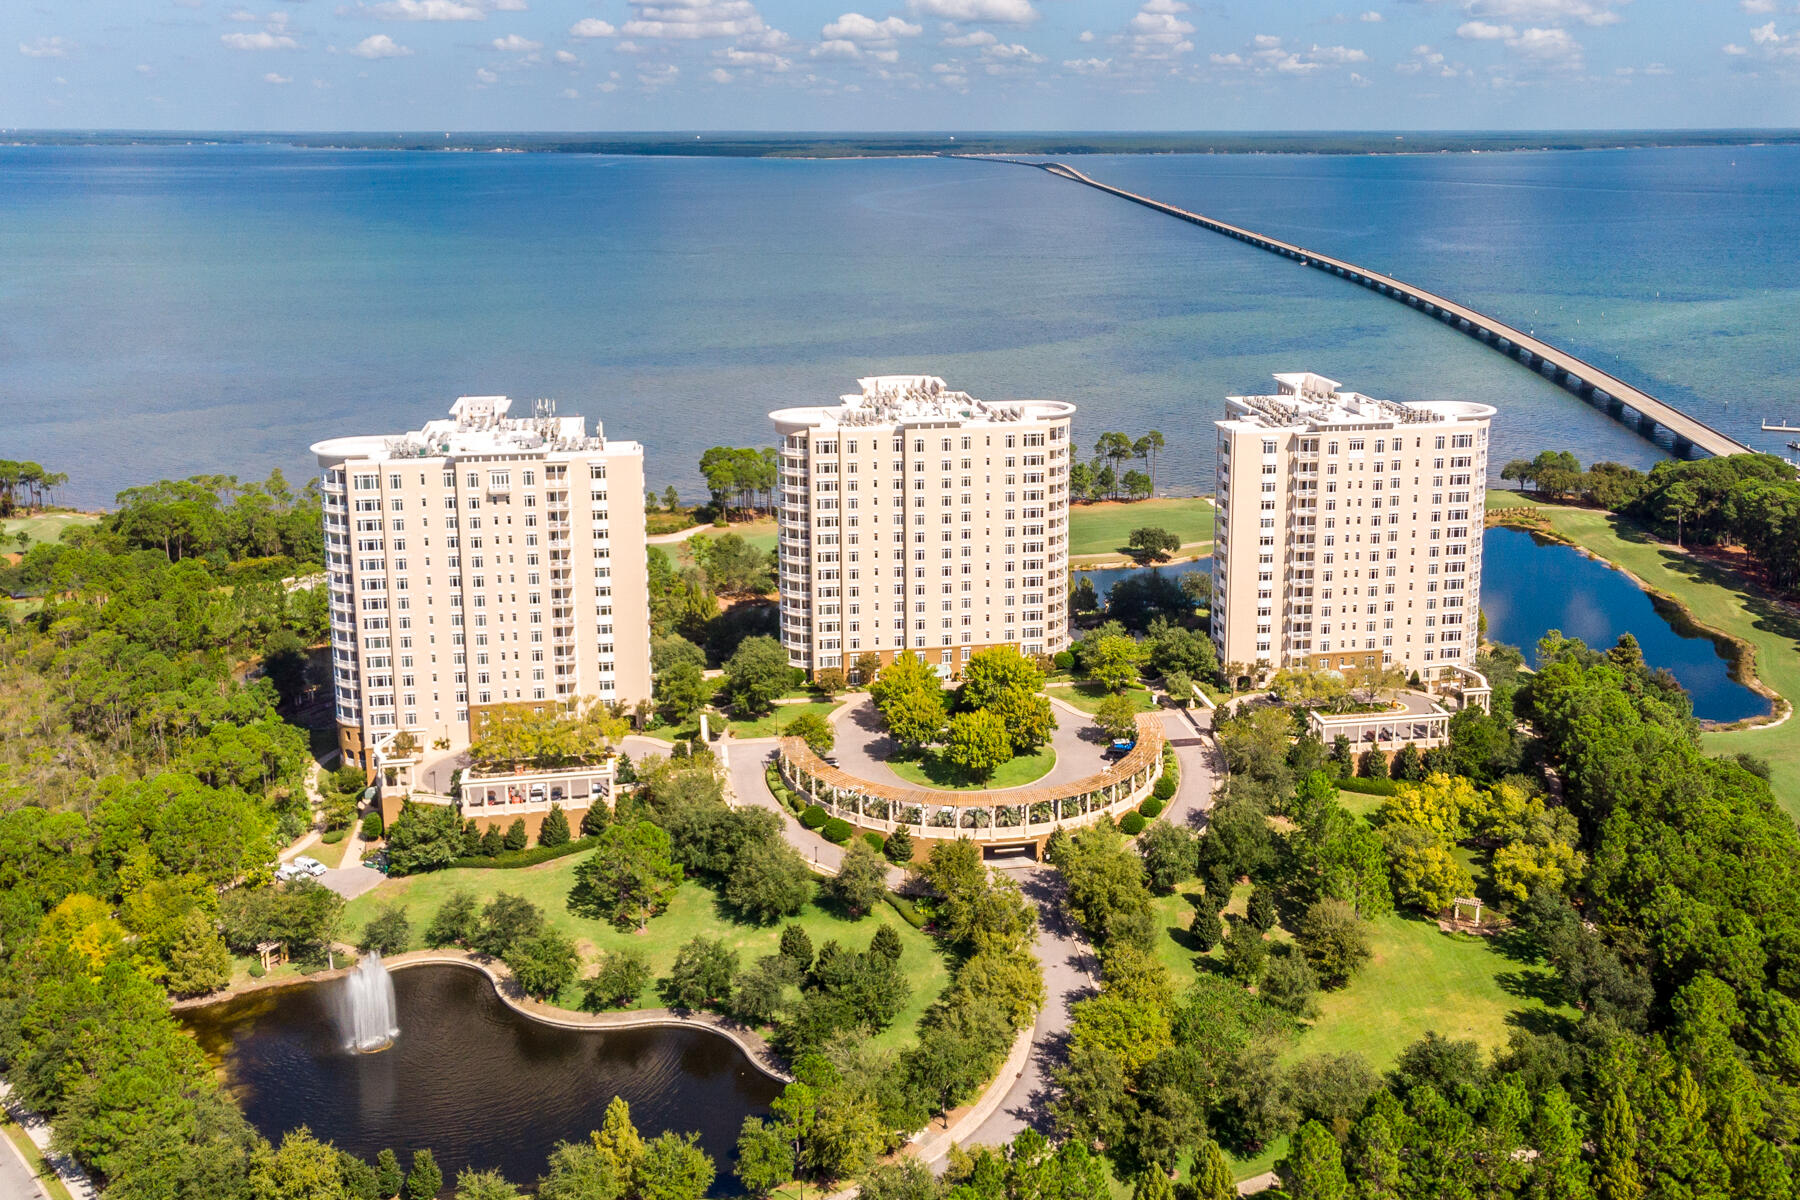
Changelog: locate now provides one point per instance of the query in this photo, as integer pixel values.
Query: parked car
(287, 871)
(311, 866)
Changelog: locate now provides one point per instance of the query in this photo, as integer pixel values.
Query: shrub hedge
(837, 830)
(526, 858)
(371, 826)
(1152, 807)
(1133, 824)
(813, 817)
(876, 842)
(1369, 787)
(909, 912)
(333, 837)
(1165, 787)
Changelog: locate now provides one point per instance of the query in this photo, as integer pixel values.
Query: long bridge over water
(1631, 406)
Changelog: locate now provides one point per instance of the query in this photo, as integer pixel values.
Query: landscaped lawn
(330, 853)
(759, 534)
(775, 723)
(933, 772)
(1719, 599)
(1104, 528)
(695, 910)
(1087, 695)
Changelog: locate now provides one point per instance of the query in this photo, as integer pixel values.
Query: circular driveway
(864, 746)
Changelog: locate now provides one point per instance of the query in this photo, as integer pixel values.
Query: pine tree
(797, 948)
(388, 1177)
(595, 820)
(1686, 1160)
(1374, 1158)
(1153, 1184)
(425, 1180)
(1558, 1173)
(1211, 1177)
(899, 846)
(1314, 1167)
(1616, 1151)
(555, 829)
(516, 838)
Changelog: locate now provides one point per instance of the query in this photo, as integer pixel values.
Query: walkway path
(1071, 973)
(1190, 732)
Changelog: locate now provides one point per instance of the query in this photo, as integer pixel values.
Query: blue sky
(898, 64)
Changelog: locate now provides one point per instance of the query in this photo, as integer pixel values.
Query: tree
(702, 975)
(484, 1185)
(1334, 941)
(681, 689)
(598, 816)
(456, 922)
(544, 964)
(388, 932)
(1147, 447)
(899, 846)
(629, 877)
(424, 837)
(797, 948)
(765, 1156)
(977, 743)
(516, 837)
(768, 880)
(1291, 985)
(1211, 1177)
(1314, 1166)
(830, 680)
(1117, 716)
(1152, 543)
(555, 829)
(388, 1177)
(1083, 599)
(1426, 875)
(425, 1180)
(1116, 447)
(1245, 952)
(622, 977)
(757, 675)
(861, 881)
(1169, 855)
(1559, 1173)
(1113, 662)
(1615, 1159)
(198, 959)
(507, 921)
(815, 731)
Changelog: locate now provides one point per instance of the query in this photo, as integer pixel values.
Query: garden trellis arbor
(1008, 817)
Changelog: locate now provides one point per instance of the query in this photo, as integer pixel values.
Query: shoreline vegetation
(927, 144)
(1761, 630)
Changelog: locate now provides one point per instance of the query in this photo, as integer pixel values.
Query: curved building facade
(917, 518)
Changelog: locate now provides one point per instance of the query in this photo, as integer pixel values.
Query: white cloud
(1004, 52)
(1158, 30)
(425, 10)
(1087, 66)
(1551, 47)
(512, 43)
(485, 76)
(241, 14)
(379, 45)
(1481, 31)
(836, 48)
(719, 75)
(1547, 12)
(1087, 35)
(1757, 7)
(979, 37)
(688, 19)
(1733, 49)
(567, 59)
(272, 77)
(1337, 55)
(658, 74)
(261, 40)
(591, 27)
(46, 47)
(762, 60)
(1370, 18)
(145, 69)
(569, 94)
(996, 12)
(854, 27)
(1765, 35)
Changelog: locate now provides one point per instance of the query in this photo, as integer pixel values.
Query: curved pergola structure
(1009, 817)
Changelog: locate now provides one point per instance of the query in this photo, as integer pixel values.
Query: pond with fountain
(430, 1056)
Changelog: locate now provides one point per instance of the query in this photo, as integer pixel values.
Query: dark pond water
(1529, 587)
(1103, 580)
(468, 1077)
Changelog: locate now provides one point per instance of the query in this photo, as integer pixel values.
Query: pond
(473, 1080)
(1103, 580)
(1530, 586)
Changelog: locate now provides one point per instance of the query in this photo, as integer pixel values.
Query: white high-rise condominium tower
(914, 517)
(482, 560)
(1348, 530)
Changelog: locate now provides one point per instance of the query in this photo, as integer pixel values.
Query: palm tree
(1146, 448)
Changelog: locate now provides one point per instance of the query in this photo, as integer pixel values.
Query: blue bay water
(215, 309)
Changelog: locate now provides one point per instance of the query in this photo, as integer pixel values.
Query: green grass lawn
(1103, 528)
(46, 527)
(933, 772)
(759, 534)
(695, 910)
(777, 721)
(1087, 695)
(1718, 599)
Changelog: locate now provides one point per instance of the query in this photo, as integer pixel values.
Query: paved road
(749, 759)
(864, 746)
(1071, 973)
(1201, 768)
(16, 1180)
